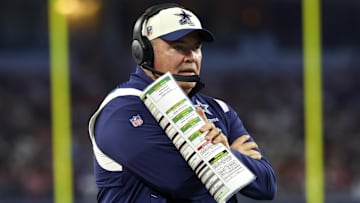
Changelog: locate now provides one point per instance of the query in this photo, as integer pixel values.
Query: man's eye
(197, 47)
(179, 47)
(182, 48)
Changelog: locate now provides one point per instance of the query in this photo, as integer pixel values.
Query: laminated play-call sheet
(215, 165)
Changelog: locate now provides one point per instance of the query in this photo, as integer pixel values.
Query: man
(135, 161)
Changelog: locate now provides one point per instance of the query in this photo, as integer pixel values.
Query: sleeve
(145, 151)
(264, 187)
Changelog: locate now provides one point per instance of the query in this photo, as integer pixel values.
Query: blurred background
(255, 64)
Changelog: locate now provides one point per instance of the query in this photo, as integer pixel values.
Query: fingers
(201, 113)
(251, 153)
(208, 126)
(241, 140)
(214, 134)
(242, 145)
(254, 154)
(221, 138)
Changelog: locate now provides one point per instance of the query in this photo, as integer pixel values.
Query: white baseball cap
(173, 23)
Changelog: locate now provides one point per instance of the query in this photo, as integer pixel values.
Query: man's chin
(187, 86)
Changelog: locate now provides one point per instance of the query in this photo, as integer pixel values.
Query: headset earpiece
(142, 51)
(141, 47)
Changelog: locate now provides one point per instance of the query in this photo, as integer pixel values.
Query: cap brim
(205, 35)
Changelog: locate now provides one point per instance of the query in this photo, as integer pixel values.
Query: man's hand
(214, 134)
(247, 148)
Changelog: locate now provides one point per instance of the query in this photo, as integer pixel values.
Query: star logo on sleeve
(185, 18)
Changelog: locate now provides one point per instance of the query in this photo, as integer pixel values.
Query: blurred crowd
(271, 106)
(258, 70)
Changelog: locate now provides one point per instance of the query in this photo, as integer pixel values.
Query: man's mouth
(187, 72)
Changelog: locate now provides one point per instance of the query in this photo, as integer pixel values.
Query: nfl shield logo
(136, 121)
(149, 30)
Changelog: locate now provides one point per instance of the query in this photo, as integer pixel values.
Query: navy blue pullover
(143, 165)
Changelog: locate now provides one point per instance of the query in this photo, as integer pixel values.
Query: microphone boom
(182, 78)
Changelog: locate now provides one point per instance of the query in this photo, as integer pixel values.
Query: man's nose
(190, 55)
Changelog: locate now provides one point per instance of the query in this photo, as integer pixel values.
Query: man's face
(180, 57)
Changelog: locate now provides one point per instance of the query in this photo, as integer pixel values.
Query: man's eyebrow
(181, 41)
(178, 41)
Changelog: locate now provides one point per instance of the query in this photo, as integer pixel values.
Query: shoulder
(120, 102)
(224, 106)
(119, 112)
(124, 99)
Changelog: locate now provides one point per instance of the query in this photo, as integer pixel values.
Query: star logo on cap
(185, 18)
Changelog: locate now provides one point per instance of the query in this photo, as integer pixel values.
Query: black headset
(141, 47)
(142, 50)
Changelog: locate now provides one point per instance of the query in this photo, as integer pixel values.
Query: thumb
(201, 113)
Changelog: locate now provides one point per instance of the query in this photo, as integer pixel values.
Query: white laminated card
(215, 165)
